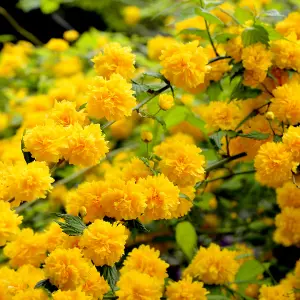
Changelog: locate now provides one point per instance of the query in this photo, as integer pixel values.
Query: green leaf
(197, 122)
(195, 31)
(209, 17)
(46, 285)
(27, 155)
(110, 274)
(277, 138)
(242, 92)
(210, 4)
(273, 34)
(214, 90)
(7, 38)
(82, 106)
(136, 225)
(237, 70)
(157, 75)
(28, 5)
(73, 225)
(186, 238)
(256, 135)
(88, 40)
(184, 196)
(217, 297)
(176, 115)
(224, 37)
(243, 15)
(255, 34)
(49, 6)
(258, 225)
(217, 137)
(272, 13)
(249, 270)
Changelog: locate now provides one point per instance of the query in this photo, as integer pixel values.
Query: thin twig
(210, 38)
(218, 58)
(19, 28)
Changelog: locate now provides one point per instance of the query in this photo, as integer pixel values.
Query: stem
(19, 28)
(224, 161)
(218, 58)
(107, 124)
(230, 175)
(210, 39)
(142, 103)
(230, 15)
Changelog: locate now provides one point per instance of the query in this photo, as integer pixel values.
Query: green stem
(142, 103)
(18, 28)
(230, 175)
(210, 39)
(107, 124)
(230, 15)
(218, 58)
(224, 161)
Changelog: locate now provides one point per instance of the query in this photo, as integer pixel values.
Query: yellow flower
(286, 103)
(165, 101)
(67, 66)
(30, 275)
(185, 205)
(286, 52)
(184, 65)
(86, 146)
(157, 44)
(58, 45)
(138, 286)
(45, 142)
(123, 200)
(115, 59)
(66, 268)
(288, 224)
(234, 47)
(183, 164)
(9, 223)
(112, 99)
(228, 7)
(95, 285)
(132, 15)
(162, 197)
(27, 248)
(145, 260)
(135, 169)
(31, 294)
(71, 295)
(256, 56)
(289, 25)
(213, 265)
(146, 136)
(64, 113)
(31, 181)
(103, 242)
(71, 35)
(288, 195)
(186, 289)
(278, 292)
(122, 129)
(291, 139)
(54, 236)
(221, 115)
(253, 78)
(273, 158)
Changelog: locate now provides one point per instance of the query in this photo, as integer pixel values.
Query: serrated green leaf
(249, 270)
(242, 92)
(224, 37)
(110, 274)
(256, 135)
(243, 15)
(73, 225)
(255, 34)
(209, 17)
(136, 225)
(46, 285)
(277, 138)
(186, 238)
(195, 31)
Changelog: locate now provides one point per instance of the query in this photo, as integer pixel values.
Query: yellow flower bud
(269, 115)
(71, 35)
(165, 101)
(146, 136)
(82, 211)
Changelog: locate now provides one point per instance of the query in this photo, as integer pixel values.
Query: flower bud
(82, 211)
(269, 115)
(165, 101)
(146, 136)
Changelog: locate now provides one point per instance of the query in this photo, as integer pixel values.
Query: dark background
(46, 26)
